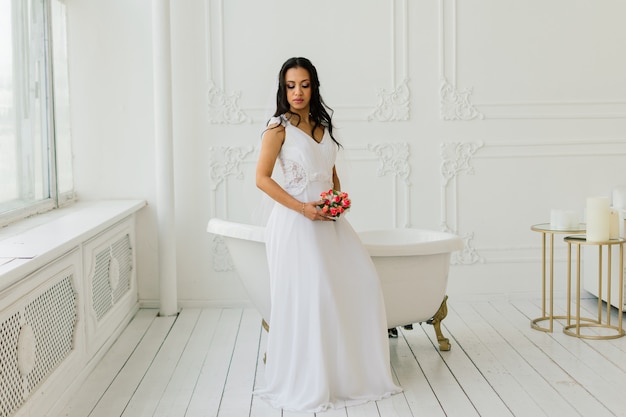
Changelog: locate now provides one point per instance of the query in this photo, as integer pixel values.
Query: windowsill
(32, 243)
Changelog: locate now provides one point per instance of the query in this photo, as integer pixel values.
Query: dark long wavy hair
(320, 113)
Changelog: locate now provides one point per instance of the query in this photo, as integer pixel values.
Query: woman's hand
(312, 212)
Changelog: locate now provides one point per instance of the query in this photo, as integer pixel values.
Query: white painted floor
(206, 362)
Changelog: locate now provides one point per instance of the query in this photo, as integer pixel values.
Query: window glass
(31, 176)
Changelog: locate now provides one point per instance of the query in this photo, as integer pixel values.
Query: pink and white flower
(334, 202)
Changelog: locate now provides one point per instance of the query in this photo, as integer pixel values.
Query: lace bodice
(295, 176)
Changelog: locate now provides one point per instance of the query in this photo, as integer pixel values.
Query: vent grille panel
(112, 275)
(35, 341)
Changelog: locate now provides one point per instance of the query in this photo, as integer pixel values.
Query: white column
(164, 156)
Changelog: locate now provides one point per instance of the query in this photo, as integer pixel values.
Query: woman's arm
(273, 139)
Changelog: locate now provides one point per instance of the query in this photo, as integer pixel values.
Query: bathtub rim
(437, 243)
(236, 230)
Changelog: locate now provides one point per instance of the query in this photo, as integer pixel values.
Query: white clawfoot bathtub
(412, 264)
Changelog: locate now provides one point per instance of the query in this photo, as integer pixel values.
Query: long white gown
(328, 345)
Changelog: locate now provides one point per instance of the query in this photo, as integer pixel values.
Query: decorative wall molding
(388, 160)
(222, 262)
(553, 148)
(224, 108)
(225, 161)
(394, 159)
(469, 255)
(456, 159)
(393, 106)
(456, 103)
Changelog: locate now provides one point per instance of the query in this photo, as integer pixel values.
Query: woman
(327, 345)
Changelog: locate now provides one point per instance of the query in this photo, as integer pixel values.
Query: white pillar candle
(563, 219)
(597, 219)
(622, 224)
(613, 223)
(619, 197)
(555, 218)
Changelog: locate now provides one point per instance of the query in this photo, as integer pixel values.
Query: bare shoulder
(274, 133)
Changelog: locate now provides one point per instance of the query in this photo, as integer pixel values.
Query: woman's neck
(302, 115)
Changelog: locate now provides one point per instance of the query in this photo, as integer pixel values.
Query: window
(35, 144)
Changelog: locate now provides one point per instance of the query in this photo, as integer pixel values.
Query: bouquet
(334, 202)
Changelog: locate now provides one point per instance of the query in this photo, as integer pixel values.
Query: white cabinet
(41, 336)
(62, 308)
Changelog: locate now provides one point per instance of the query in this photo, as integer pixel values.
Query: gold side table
(547, 262)
(575, 329)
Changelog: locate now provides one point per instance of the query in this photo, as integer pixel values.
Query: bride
(327, 344)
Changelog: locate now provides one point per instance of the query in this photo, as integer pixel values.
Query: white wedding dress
(328, 345)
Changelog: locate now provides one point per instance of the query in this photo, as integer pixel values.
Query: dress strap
(282, 120)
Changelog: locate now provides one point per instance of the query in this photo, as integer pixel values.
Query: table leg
(543, 275)
(578, 290)
(547, 300)
(608, 287)
(585, 322)
(551, 281)
(621, 289)
(600, 283)
(569, 283)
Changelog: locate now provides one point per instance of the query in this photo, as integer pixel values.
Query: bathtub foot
(444, 343)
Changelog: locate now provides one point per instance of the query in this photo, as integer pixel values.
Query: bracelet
(302, 209)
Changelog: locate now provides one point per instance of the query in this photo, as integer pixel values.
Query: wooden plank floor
(206, 362)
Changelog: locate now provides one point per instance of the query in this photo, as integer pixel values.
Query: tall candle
(597, 219)
(563, 219)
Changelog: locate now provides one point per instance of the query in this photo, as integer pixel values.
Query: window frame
(55, 198)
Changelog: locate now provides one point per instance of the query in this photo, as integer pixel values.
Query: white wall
(110, 52)
(476, 116)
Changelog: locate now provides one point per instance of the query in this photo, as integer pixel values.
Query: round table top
(547, 228)
(582, 240)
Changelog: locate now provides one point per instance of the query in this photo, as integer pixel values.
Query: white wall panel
(507, 109)
(246, 49)
(503, 189)
(536, 59)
